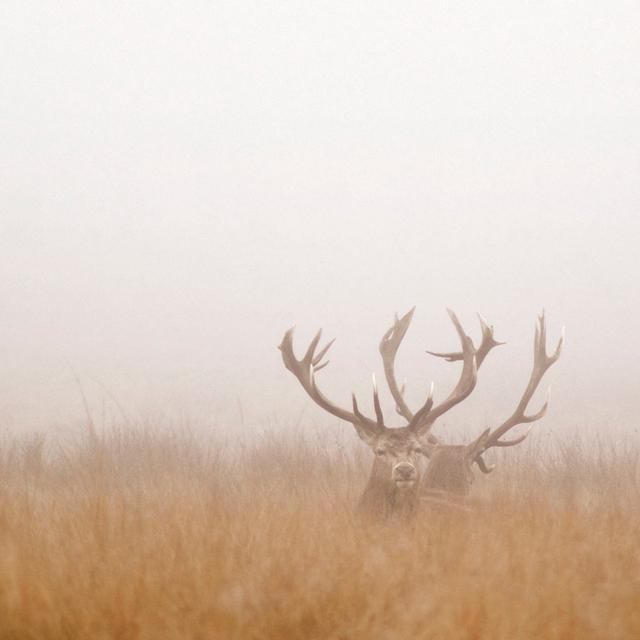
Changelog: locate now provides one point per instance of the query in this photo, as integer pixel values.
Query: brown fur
(384, 496)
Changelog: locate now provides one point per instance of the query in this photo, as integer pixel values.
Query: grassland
(157, 536)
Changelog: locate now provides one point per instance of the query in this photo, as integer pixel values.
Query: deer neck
(381, 496)
(448, 475)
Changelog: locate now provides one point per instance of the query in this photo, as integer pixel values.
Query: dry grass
(154, 536)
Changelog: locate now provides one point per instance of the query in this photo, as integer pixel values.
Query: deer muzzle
(404, 474)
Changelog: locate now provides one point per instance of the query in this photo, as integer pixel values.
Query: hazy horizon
(180, 184)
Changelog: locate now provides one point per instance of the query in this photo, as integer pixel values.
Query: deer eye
(380, 452)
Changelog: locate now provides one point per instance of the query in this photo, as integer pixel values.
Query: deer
(410, 463)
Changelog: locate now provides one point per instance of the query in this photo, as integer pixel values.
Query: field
(157, 535)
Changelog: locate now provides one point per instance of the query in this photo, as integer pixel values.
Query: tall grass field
(157, 535)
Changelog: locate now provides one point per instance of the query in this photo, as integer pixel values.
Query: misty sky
(182, 181)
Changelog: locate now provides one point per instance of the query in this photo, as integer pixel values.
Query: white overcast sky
(182, 181)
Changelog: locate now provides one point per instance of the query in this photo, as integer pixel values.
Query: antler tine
(356, 411)
(488, 342)
(483, 465)
(304, 371)
(388, 349)
(451, 356)
(541, 362)
(309, 355)
(423, 411)
(321, 355)
(466, 382)
(376, 402)
(511, 443)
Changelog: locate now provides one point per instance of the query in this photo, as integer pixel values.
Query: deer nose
(404, 471)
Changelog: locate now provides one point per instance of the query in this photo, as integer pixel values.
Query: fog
(182, 182)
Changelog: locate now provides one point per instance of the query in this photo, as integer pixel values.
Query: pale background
(182, 181)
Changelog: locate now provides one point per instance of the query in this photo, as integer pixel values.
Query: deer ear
(477, 446)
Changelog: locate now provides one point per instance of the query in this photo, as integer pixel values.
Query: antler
(304, 370)
(465, 385)
(466, 382)
(388, 348)
(541, 362)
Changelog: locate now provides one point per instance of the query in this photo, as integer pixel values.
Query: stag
(400, 474)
